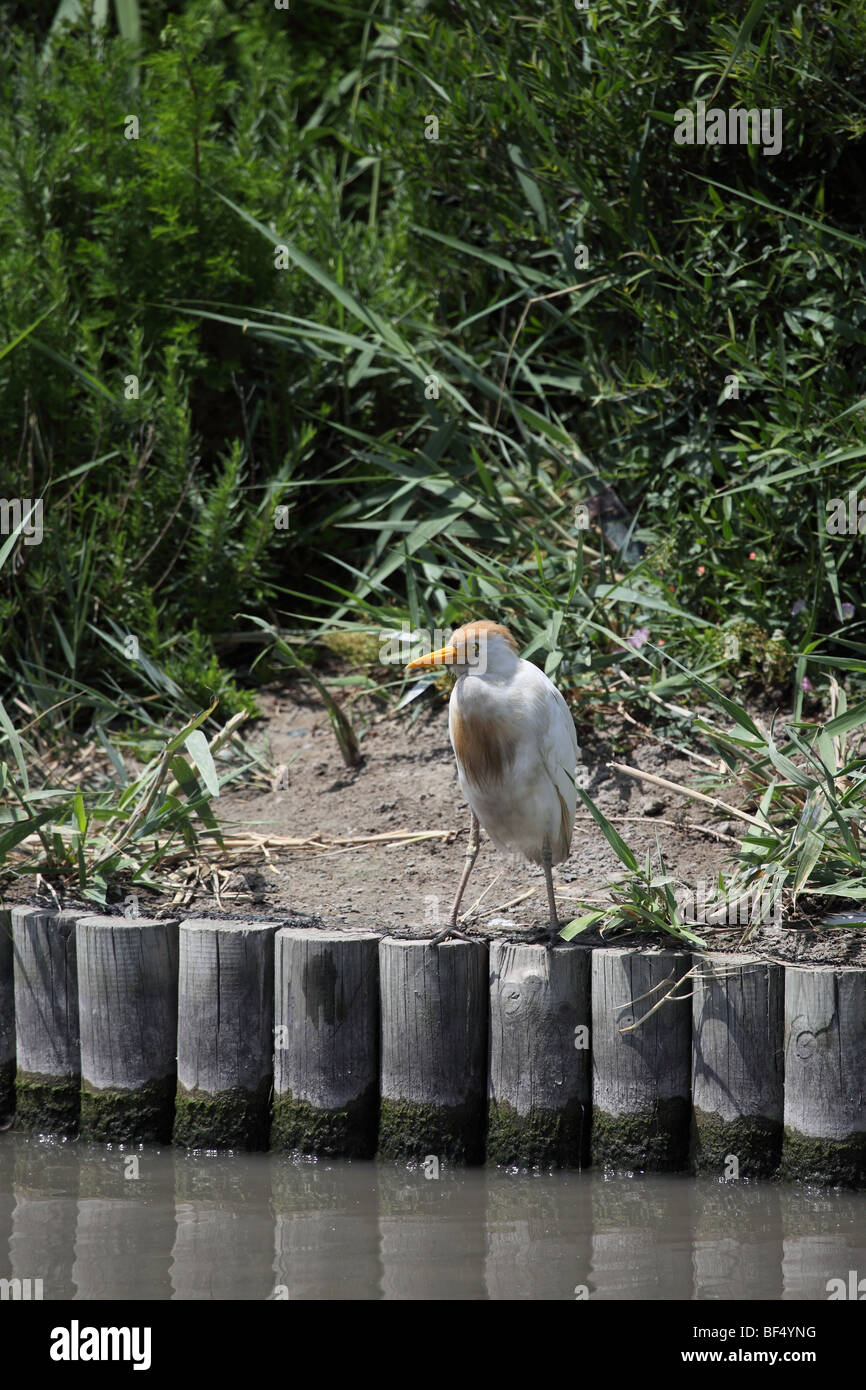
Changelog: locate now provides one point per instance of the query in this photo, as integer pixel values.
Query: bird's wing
(559, 756)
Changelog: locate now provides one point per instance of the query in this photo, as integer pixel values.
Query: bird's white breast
(515, 745)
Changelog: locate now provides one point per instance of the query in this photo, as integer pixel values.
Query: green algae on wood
(47, 1104)
(652, 1138)
(127, 1116)
(412, 1130)
(754, 1141)
(538, 1138)
(232, 1119)
(7, 1089)
(346, 1131)
(837, 1161)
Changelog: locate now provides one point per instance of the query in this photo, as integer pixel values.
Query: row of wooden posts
(224, 1034)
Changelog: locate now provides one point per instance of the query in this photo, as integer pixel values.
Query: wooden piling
(763, 1066)
(738, 1010)
(127, 991)
(434, 1049)
(825, 1067)
(48, 1075)
(641, 1059)
(7, 1018)
(539, 1090)
(326, 1042)
(225, 1066)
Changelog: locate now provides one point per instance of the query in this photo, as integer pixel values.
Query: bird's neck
(497, 673)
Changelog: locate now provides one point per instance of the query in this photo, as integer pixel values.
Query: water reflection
(92, 1223)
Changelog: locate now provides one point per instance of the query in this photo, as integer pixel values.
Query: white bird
(516, 750)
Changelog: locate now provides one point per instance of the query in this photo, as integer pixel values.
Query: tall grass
(474, 336)
(550, 365)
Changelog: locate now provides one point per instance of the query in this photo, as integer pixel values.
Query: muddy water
(94, 1223)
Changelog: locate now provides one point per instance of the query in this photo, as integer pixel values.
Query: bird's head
(480, 648)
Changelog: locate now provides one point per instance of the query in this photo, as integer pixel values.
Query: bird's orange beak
(446, 656)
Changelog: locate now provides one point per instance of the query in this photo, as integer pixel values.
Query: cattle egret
(516, 750)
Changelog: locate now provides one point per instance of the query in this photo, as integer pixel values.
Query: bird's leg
(552, 932)
(471, 855)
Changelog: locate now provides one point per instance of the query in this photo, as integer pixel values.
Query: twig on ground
(687, 791)
(674, 825)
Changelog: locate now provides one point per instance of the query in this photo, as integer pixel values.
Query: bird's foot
(447, 933)
(545, 936)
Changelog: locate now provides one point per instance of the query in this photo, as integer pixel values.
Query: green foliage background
(307, 387)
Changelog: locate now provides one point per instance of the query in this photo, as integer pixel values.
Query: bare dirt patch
(406, 785)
